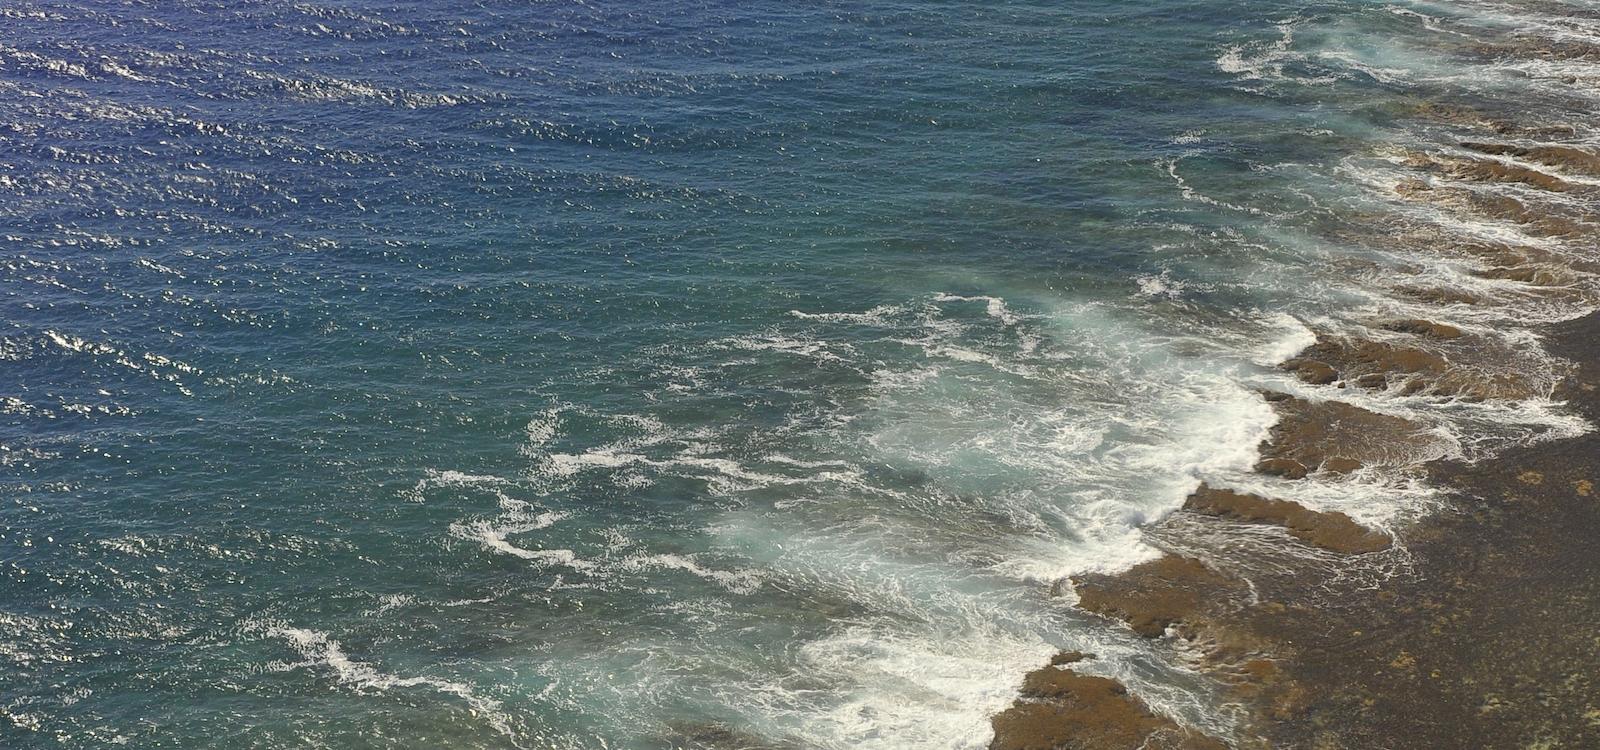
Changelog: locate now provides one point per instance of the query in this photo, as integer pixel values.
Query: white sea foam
(1270, 61)
(1296, 337)
(798, 346)
(877, 316)
(736, 581)
(391, 602)
(323, 650)
(1429, 22)
(995, 307)
(568, 464)
(494, 537)
(1170, 166)
(925, 506)
(1160, 285)
(434, 478)
(540, 431)
(930, 692)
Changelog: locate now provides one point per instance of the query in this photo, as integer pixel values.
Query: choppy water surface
(636, 375)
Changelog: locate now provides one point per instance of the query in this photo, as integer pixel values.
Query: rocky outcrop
(1337, 438)
(1463, 367)
(1540, 48)
(1060, 709)
(1171, 591)
(1441, 296)
(1329, 530)
(1239, 604)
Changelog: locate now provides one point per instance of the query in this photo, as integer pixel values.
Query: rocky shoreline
(1489, 644)
(1472, 627)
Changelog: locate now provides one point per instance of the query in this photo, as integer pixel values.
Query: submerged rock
(1566, 158)
(1533, 275)
(1487, 170)
(1544, 220)
(718, 736)
(1424, 328)
(1538, 48)
(1502, 124)
(1442, 296)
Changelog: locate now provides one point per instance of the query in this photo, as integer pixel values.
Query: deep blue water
(587, 374)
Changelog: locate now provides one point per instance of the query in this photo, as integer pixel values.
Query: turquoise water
(582, 375)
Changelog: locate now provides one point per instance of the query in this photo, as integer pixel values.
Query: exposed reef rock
(1441, 296)
(1061, 709)
(1491, 644)
(1329, 530)
(1214, 613)
(1287, 468)
(1470, 629)
(1337, 437)
(1312, 371)
(1550, 267)
(1467, 367)
(1167, 592)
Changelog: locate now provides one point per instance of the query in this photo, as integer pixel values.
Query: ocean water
(678, 374)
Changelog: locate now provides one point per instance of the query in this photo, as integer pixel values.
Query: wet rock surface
(1427, 328)
(1332, 531)
(1566, 158)
(1468, 367)
(1542, 220)
(1062, 709)
(1484, 639)
(1486, 170)
(1337, 437)
(1170, 592)
(1481, 118)
(1471, 628)
(1492, 643)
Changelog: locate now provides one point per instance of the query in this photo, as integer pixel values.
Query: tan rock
(1063, 710)
(1330, 530)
